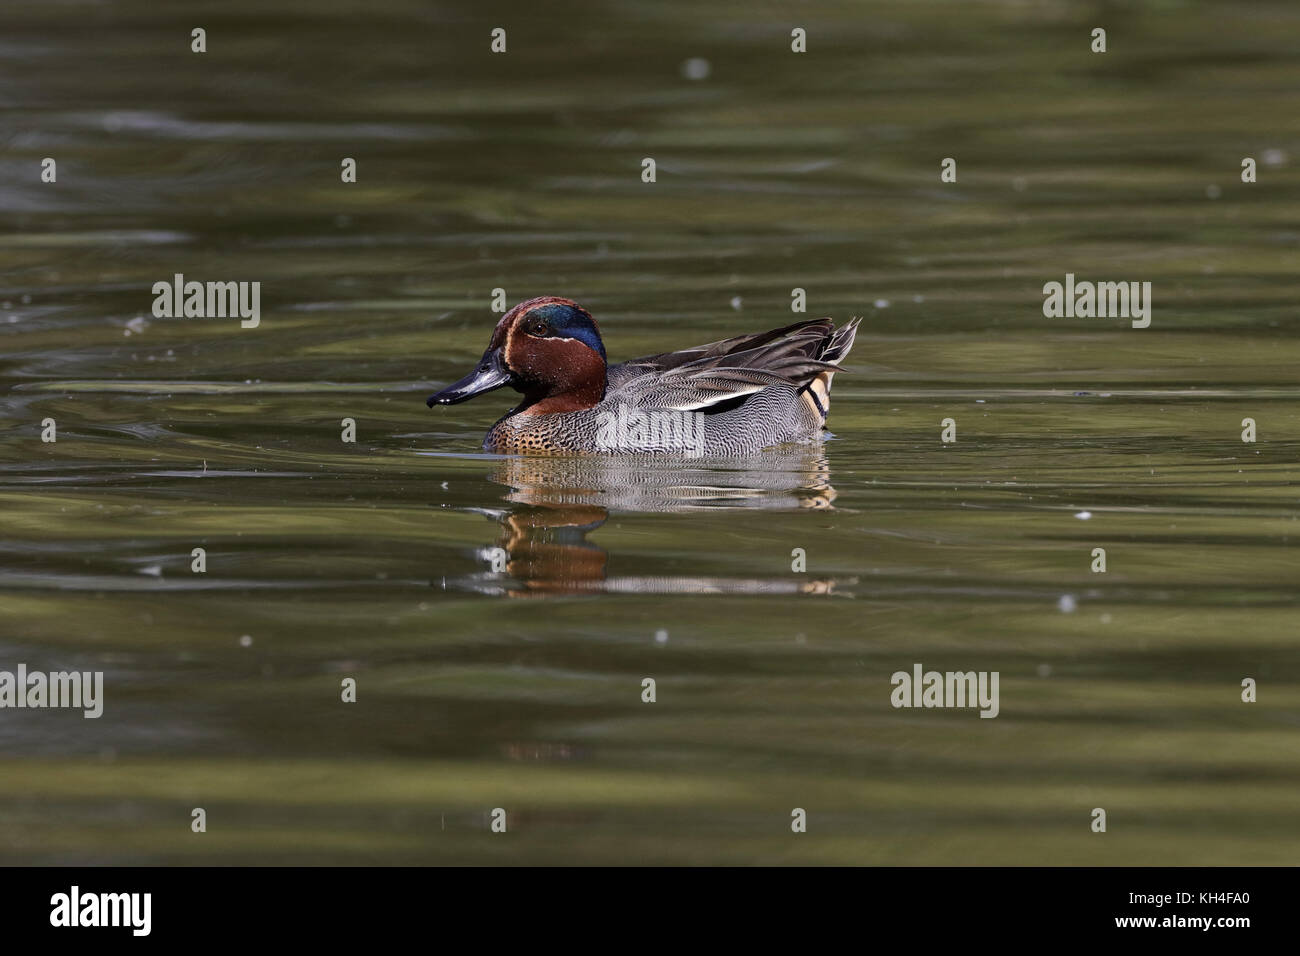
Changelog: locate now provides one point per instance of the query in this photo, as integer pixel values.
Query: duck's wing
(732, 369)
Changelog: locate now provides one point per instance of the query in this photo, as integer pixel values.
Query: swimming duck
(732, 397)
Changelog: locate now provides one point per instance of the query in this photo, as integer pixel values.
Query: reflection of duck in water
(558, 501)
(548, 546)
(733, 397)
(783, 479)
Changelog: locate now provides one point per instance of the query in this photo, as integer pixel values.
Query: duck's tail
(835, 349)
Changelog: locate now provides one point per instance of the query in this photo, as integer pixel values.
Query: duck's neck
(574, 398)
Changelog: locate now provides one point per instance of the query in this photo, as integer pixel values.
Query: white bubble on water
(697, 68)
(1066, 604)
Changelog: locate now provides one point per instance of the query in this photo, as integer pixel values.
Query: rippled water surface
(520, 687)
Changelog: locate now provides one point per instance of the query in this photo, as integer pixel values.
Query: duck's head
(549, 350)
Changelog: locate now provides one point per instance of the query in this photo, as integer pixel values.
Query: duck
(737, 396)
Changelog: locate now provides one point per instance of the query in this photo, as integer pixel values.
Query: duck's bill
(490, 374)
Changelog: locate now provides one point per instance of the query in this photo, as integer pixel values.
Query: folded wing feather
(731, 369)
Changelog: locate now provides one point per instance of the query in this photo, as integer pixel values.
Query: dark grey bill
(491, 373)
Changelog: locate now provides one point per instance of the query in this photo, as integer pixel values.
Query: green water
(521, 688)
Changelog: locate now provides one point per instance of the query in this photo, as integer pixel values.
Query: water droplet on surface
(697, 68)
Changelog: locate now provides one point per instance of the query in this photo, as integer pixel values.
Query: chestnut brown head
(549, 350)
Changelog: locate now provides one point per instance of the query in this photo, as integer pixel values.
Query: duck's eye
(539, 328)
